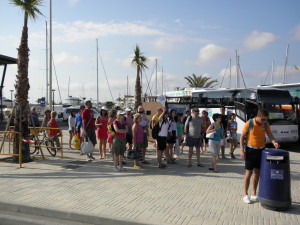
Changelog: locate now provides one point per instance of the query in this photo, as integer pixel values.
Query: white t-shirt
(71, 122)
(164, 129)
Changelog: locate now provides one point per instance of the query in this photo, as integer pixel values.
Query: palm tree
(30, 9)
(140, 62)
(200, 81)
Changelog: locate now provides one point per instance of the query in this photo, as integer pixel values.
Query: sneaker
(116, 169)
(137, 167)
(88, 159)
(246, 199)
(254, 198)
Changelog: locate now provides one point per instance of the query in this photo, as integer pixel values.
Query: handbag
(87, 146)
(210, 135)
(134, 154)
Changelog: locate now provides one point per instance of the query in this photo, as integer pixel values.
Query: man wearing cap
(129, 122)
(144, 123)
(88, 126)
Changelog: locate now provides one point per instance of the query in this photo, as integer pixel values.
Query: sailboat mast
(47, 91)
(97, 74)
(162, 81)
(272, 74)
(156, 78)
(237, 70)
(229, 73)
(50, 60)
(285, 64)
(69, 88)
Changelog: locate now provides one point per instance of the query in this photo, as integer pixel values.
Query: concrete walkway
(91, 192)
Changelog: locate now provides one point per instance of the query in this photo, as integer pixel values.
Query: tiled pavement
(91, 192)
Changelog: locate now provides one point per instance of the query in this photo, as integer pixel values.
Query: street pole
(11, 93)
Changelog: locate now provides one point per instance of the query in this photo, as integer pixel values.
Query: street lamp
(53, 90)
(11, 93)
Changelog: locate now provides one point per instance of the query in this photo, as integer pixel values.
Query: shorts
(119, 145)
(233, 136)
(172, 139)
(92, 135)
(253, 158)
(161, 143)
(129, 138)
(193, 142)
(223, 141)
(214, 147)
(204, 139)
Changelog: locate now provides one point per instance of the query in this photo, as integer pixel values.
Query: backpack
(111, 130)
(252, 125)
(155, 131)
(189, 119)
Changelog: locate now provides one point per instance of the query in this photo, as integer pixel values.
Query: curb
(64, 215)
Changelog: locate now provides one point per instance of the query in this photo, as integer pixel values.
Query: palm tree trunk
(138, 90)
(22, 87)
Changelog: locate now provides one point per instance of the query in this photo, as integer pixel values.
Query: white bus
(246, 102)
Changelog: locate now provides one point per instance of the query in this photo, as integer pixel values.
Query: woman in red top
(54, 133)
(101, 124)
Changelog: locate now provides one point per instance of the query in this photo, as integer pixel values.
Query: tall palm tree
(200, 81)
(140, 62)
(30, 9)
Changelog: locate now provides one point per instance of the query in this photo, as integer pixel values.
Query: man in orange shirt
(255, 132)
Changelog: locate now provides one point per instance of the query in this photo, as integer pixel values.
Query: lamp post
(11, 93)
(53, 90)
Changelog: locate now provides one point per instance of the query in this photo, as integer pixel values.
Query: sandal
(162, 166)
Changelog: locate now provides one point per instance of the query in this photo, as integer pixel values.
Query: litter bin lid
(276, 152)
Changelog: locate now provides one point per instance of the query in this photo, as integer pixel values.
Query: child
(179, 127)
(138, 137)
(231, 129)
(54, 133)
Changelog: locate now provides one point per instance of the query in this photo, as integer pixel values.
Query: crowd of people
(124, 130)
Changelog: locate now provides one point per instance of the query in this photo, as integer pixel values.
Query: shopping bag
(76, 142)
(87, 146)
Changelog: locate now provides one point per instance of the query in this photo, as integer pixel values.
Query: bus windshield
(274, 96)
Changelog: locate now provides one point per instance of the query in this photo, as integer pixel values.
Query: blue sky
(186, 37)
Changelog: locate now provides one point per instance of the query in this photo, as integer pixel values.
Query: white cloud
(80, 30)
(73, 2)
(296, 32)
(66, 58)
(168, 42)
(257, 40)
(210, 53)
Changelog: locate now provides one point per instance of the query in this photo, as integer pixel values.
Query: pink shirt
(120, 126)
(139, 135)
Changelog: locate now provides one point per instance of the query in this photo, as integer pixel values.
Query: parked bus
(246, 102)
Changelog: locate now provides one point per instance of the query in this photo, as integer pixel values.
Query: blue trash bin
(275, 180)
